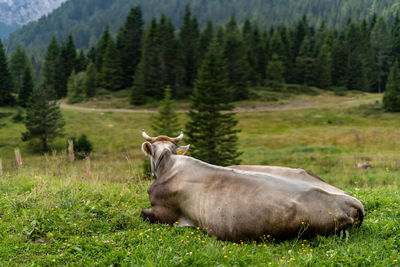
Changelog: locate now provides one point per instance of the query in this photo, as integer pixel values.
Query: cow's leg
(159, 214)
(148, 214)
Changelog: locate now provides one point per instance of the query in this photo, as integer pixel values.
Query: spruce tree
(323, 68)
(339, 55)
(395, 38)
(129, 44)
(356, 62)
(380, 44)
(165, 122)
(81, 61)
(101, 48)
(76, 87)
(211, 127)
(6, 82)
(304, 63)
(204, 40)
(147, 81)
(391, 97)
(18, 62)
(189, 34)
(138, 91)
(170, 64)
(90, 83)
(50, 65)
(66, 64)
(275, 73)
(27, 87)
(302, 29)
(111, 76)
(44, 120)
(236, 64)
(256, 52)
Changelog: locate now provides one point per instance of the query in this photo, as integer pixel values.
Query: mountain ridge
(14, 13)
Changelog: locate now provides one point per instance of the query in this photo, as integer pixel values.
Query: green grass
(53, 212)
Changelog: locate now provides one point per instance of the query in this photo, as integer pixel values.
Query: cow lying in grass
(242, 202)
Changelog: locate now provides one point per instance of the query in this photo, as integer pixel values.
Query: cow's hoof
(147, 214)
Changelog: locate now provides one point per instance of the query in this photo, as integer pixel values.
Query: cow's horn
(177, 139)
(145, 136)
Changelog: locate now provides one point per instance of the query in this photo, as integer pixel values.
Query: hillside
(14, 13)
(85, 19)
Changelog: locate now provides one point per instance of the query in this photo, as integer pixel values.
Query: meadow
(86, 212)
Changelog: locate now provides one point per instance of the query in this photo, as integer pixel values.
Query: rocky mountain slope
(14, 13)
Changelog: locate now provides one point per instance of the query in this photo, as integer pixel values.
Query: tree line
(147, 59)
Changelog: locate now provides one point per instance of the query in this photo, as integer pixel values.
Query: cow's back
(289, 173)
(236, 205)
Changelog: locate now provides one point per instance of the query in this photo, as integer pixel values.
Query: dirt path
(296, 104)
(122, 110)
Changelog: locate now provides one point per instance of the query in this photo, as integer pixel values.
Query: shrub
(82, 146)
(19, 116)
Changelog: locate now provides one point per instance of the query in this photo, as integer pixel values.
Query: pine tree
(323, 67)
(339, 55)
(6, 82)
(44, 120)
(211, 127)
(236, 64)
(380, 42)
(111, 76)
(50, 65)
(18, 62)
(395, 39)
(302, 29)
(101, 48)
(275, 72)
(356, 65)
(81, 61)
(391, 97)
(66, 64)
(76, 87)
(304, 63)
(204, 40)
(170, 67)
(90, 83)
(27, 87)
(138, 91)
(165, 122)
(189, 34)
(129, 44)
(278, 47)
(256, 52)
(147, 80)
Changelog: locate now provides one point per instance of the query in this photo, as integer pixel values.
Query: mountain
(14, 13)
(86, 19)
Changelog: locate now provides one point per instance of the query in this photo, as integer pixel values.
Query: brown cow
(235, 205)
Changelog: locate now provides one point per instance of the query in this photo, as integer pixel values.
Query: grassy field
(54, 212)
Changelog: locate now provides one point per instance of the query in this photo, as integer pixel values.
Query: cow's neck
(158, 161)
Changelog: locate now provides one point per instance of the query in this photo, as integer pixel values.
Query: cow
(237, 204)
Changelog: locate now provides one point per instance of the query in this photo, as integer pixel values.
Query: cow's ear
(182, 150)
(147, 149)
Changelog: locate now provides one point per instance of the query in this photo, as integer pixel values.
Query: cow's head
(156, 147)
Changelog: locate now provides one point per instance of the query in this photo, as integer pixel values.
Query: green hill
(85, 19)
